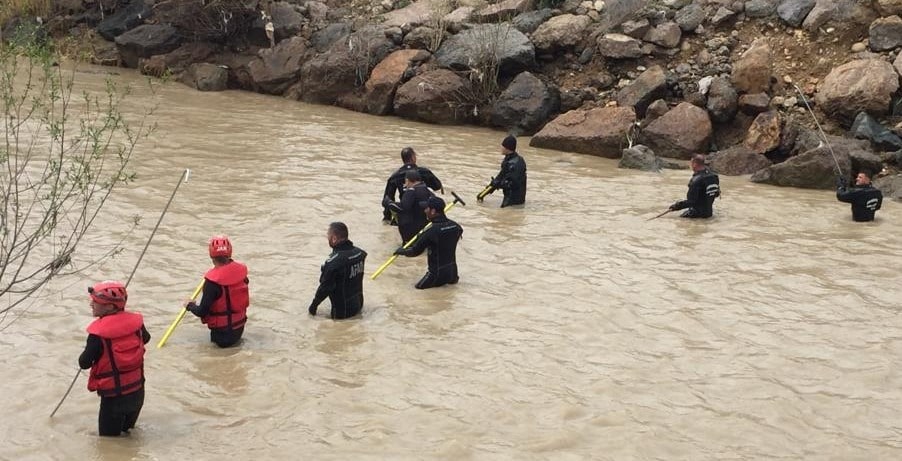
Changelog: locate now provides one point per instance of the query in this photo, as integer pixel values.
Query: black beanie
(509, 143)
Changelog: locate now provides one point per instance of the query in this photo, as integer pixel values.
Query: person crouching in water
(441, 240)
(341, 279)
(115, 354)
(223, 307)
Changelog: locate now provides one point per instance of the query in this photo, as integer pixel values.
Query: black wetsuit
(222, 337)
(865, 200)
(342, 281)
(411, 217)
(441, 240)
(395, 184)
(704, 187)
(512, 180)
(117, 414)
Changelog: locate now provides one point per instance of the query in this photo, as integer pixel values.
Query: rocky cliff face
(728, 77)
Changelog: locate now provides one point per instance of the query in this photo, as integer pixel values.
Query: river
(579, 329)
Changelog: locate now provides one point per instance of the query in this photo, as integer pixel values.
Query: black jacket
(704, 187)
(865, 200)
(441, 242)
(411, 216)
(512, 180)
(342, 281)
(395, 184)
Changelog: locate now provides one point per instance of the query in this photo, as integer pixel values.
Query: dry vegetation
(12, 8)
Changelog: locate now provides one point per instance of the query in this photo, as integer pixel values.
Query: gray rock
(819, 15)
(434, 97)
(417, 13)
(891, 186)
(651, 85)
(560, 32)
(760, 8)
(619, 46)
(637, 28)
(752, 71)
(754, 104)
(277, 69)
(682, 131)
(814, 169)
(865, 160)
(503, 10)
(866, 127)
(885, 33)
(525, 105)
(487, 45)
(287, 22)
(889, 7)
(617, 11)
(421, 38)
(737, 160)
(145, 41)
(666, 35)
(206, 77)
(722, 15)
(639, 157)
(655, 110)
(323, 39)
(897, 64)
(530, 21)
(126, 18)
(793, 12)
(723, 101)
(690, 17)
(860, 85)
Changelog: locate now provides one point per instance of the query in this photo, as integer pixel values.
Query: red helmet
(109, 292)
(220, 246)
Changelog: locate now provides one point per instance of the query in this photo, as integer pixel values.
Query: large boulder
(344, 68)
(323, 39)
(822, 12)
(866, 127)
(681, 132)
(601, 131)
(145, 41)
(503, 10)
(865, 160)
(764, 134)
(885, 33)
(206, 77)
(737, 160)
(525, 105)
(723, 101)
(487, 45)
(889, 7)
(560, 32)
(531, 20)
(648, 87)
(176, 62)
(891, 186)
(793, 12)
(690, 17)
(379, 91)
(278, 68)
(752, 71)
(434, 97)
(813, 169)
(126, 18)
(860, 85)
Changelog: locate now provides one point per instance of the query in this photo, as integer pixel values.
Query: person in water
(395, 183)
(441, 242)
(864, 197)
(226, 297)
(341, 278)
(511, 179)
(115, 354)
(409, 210)
(704, 187)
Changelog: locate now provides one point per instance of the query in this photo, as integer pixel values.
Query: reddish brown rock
(681, 132)
(764, 134)
(601, 131)
(379, 91)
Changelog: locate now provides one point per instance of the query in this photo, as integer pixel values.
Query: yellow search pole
(181, 315)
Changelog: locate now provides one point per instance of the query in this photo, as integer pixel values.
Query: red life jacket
(230, 309)
(120, 368)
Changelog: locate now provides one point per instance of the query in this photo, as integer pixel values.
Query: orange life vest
(230, 309)
(120, 368)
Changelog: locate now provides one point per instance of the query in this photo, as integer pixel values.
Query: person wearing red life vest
(115, 354)
(223, 307)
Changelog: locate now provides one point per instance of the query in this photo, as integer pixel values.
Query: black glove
(312, 309)
(841, 182)
(399, 252)
(191, 306)
(385, 201)
(674, 206)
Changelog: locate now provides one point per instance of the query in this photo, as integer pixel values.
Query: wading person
(865, 198)
(704, 187)
(341, 279)
(395, 183)
(411, 217)
(223, 305)
(115, 354)
(511, 179)
(441, 242)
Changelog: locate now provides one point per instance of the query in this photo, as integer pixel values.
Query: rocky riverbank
(628, 79)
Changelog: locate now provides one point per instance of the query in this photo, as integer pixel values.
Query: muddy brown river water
(579, 330)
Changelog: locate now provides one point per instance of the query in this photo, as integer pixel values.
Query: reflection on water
(579, 329)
